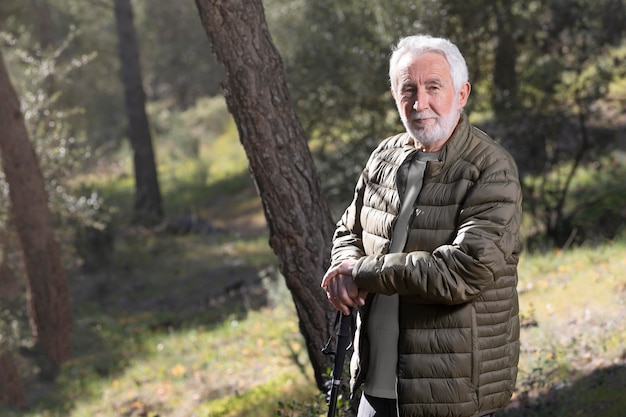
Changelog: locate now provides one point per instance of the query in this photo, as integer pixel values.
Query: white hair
(419, 44)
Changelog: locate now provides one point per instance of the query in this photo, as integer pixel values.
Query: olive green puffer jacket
(458, 315)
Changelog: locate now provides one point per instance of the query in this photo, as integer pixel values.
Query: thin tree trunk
(148, 209)
(11, 391)
(505, 59)
(46, 39)
(47, 292)
(280, 160)
(44, 23)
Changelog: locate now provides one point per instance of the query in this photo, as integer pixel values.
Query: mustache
(423, 115)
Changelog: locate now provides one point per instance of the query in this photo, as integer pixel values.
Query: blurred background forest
(548, 82)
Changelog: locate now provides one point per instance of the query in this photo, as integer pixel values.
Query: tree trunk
(148, 209)
(48, 296)
(280, 161)
(11, 392)
(44, 23)
(505, 60)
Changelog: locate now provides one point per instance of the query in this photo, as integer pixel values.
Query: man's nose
(421, 101)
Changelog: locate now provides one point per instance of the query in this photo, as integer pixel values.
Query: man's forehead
(430, 61)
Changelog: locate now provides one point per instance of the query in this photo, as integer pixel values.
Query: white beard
(431, 134)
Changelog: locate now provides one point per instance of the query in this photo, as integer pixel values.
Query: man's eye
(437, 86)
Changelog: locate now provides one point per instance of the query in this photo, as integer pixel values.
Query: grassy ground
(179, 344)
(200, 324)
(574, 333)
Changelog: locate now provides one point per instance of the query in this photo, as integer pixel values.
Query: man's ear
(464, 93)
(393, 93)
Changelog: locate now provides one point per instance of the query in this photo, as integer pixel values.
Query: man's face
(428, 105)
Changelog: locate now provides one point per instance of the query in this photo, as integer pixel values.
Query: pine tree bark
(280, 160)
(148, 209)
(47, 291)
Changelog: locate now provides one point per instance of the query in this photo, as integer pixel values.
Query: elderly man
(428, 251)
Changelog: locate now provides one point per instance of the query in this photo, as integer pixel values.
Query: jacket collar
(449, 153)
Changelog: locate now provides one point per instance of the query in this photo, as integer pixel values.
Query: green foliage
(596, 208)
(94, 89)
(184, 135)
(61, 150)
(196, 150)
(573, 199)
(563, 64)
(564, 76)
(170, 37)
(182, 69)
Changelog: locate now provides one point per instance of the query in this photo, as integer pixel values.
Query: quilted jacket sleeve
(482, 249)
(347, 242)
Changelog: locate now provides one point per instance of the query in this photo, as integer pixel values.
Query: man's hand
(340, 288)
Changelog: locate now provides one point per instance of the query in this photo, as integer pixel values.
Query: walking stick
(343, 344)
